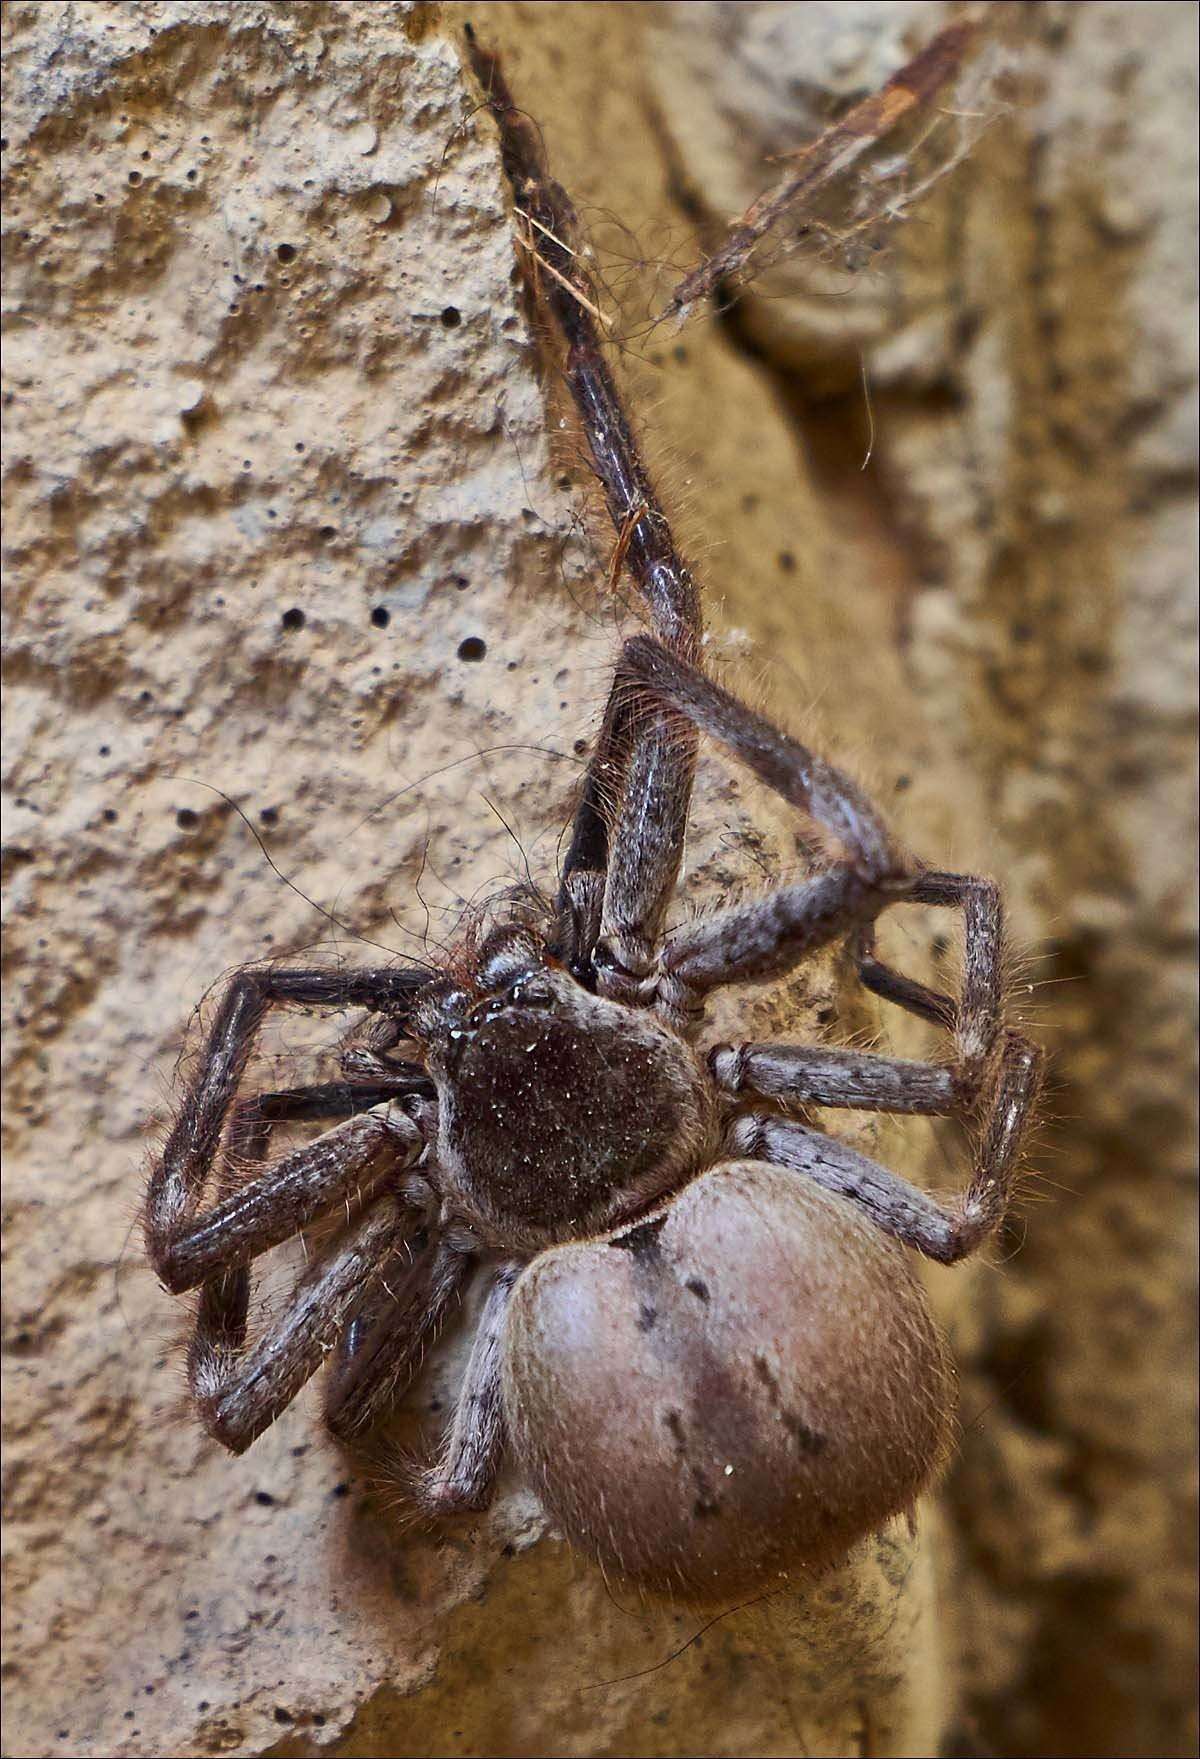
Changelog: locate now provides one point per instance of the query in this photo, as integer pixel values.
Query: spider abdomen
(732, 1392)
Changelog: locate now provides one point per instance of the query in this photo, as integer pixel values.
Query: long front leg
(632, 814)
(940, 1232)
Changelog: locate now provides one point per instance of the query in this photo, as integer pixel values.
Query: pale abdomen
(731, 1393)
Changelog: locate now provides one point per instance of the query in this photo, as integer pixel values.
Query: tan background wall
(265, 354)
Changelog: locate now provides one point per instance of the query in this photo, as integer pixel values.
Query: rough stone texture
(264, 355)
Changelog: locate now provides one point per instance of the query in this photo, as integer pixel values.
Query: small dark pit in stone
(282, 1715)
(293, 619)
(268, 816)
(186, 819)
(381, 616)
(286, 253)
(264, 1499)
(342, 1489)
(787, 561)
(472, 648)
(451, 317)
(327, 533)
(109, 815)
(135, 177)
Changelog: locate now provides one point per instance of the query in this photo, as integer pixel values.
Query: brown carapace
(701, 1332)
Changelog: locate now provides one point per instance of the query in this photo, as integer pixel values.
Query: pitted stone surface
(275, 450)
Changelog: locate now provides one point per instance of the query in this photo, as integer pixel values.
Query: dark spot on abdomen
(698, 1287)
(642, 1241)
(646, 1318)
(808, 1440)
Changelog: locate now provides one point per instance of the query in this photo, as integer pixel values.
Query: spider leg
(391, 1326)
(940, 1232)
(177, 1181)
(855, 1080)
(225, 1296)
(858, 1080)
(240, 1395)
(464, 1476)
(975, 1018)
(314, 1180)
(765, 938)
(632, 813)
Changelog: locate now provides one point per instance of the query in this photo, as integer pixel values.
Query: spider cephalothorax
(560, 1113)
(701, 1333)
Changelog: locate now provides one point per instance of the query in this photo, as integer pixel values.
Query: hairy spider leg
(225, 1295)
(391, 1325)
(465, 1474)
(178, 1179)
(188, 1247)
(996, 1074)
(239, 1396)
(804, 1075)
(312, 1181)
(942, 1233)
(632, 814)
(765, 938)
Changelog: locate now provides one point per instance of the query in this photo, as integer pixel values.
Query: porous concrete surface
(265, 356)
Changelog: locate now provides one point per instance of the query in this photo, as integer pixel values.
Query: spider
(700, 1332)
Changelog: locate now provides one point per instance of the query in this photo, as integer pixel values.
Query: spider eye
(530, 992)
